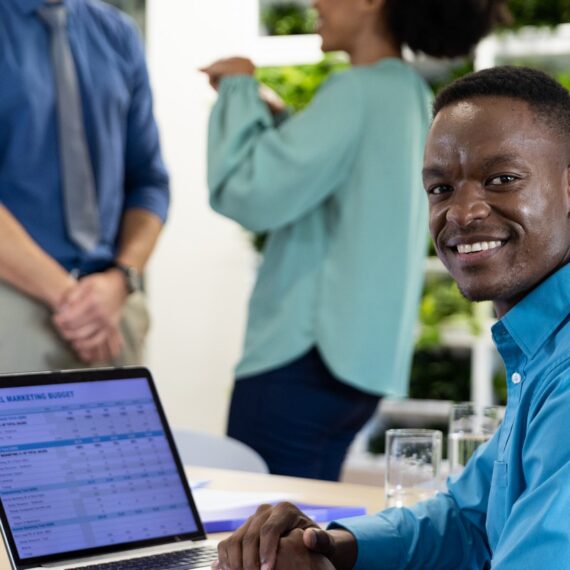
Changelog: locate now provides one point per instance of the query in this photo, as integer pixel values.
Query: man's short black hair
(545, 96)
(443, 28)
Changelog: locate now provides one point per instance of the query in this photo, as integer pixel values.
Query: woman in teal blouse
(338, 190)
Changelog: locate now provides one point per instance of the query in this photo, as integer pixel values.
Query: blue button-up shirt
(117, 107)
(510, 508)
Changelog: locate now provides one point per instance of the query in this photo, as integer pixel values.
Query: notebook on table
(90, 476)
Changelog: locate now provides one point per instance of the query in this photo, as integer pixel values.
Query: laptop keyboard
(180, 560)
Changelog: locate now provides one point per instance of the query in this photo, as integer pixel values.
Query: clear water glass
(469, 427)
(413, 463)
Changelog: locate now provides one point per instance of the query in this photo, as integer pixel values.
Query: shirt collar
(31, 6)
(533, 320)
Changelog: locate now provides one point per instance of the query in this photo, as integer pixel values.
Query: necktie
(79, 195)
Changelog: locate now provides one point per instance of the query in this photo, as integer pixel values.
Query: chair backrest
(223, 452)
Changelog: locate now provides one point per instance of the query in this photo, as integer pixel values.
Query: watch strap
(133, 278)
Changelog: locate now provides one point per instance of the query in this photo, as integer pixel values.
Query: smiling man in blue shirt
(83, 188)
(497, 176)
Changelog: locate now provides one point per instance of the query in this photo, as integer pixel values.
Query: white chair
(223, 452)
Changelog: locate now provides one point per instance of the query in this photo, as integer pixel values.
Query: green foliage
(288, 19)
(441, 374)
(442, 304)
(564, 78)
(297, 85)
(539, 12)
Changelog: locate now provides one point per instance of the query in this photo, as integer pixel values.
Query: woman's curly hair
(443, 28)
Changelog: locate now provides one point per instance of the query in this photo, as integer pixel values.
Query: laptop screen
(85, 465)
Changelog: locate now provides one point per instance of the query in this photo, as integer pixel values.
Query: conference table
(299, 490)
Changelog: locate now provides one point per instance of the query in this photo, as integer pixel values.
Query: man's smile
(478, 246)
(473, 248)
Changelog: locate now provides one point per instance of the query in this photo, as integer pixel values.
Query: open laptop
(90, 476)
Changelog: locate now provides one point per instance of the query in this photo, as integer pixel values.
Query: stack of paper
(227, 510)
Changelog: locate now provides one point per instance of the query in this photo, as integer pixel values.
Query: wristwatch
(133, 278)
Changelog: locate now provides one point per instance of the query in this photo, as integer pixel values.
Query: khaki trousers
(30, 343)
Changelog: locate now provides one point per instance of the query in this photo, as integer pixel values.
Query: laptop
(90, 477)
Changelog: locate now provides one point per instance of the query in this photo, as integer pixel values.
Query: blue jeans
(299, 417)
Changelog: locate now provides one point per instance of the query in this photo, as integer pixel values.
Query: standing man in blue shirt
(497, 176)
(83, 188)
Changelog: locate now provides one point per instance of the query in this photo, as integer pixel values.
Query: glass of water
(469, 427)
(413, 462)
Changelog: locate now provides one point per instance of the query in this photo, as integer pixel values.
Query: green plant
(288, 18)
(441, 374)
(539, 12)
(297, 85)
(442, 304)
(564, 78)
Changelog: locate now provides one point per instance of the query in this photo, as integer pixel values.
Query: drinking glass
(413, 462)
(469, 427)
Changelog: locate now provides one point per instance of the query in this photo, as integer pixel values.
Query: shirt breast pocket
(497, 510)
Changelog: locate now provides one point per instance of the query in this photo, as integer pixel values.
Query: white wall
(201, 274)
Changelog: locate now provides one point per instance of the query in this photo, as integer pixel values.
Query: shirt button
(516, 378)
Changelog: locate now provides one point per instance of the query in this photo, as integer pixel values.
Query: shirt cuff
(379, 544)
(247, 86)
(155, 200)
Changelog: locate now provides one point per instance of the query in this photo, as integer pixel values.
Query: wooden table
(302, 490)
